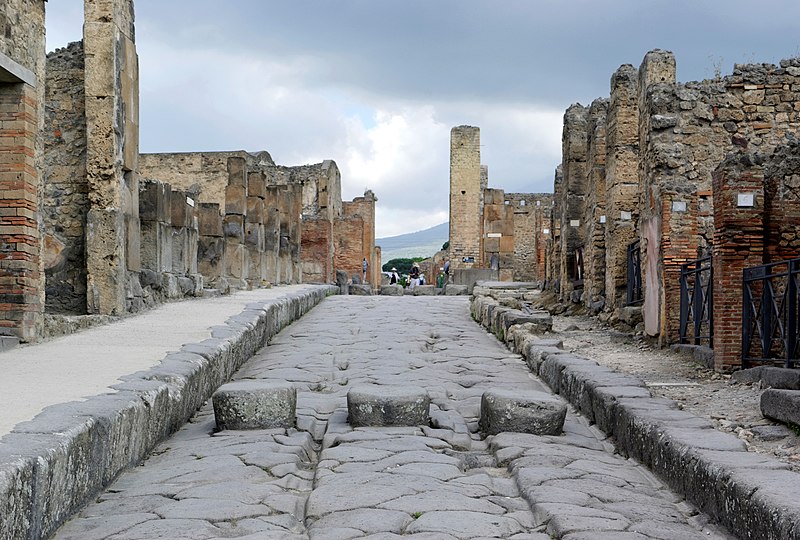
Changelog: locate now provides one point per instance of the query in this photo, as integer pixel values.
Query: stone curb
(751, 494)
(54, 464)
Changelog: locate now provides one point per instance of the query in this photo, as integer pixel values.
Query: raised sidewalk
(79, 409)
(753, 495)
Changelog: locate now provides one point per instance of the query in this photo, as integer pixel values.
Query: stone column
(236, 257)
(622, 181)
(465, 197)
(738, 244)
(595, 208)
(573, 198)
(211, 242)
(112, 118)
(156, 229)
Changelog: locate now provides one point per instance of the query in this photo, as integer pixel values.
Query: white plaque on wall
(494, 235)
(679, 206)
(545, 231)
(625, 216)
(602, 219)
(745, 200)
(574, 223)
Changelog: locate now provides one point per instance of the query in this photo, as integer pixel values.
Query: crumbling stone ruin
(93, 227)
(638, 180)
(493, 234)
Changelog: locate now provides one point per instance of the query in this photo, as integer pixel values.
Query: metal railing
(770, 314)
(697, 314)
(634, 296)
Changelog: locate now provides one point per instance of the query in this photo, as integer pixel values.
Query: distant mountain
(417, 244)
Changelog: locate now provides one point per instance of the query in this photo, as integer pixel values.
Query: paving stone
(100, 527)
(251, 404)
(527, 412)
(368, 520)
(465, 524)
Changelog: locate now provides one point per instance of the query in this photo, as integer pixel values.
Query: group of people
(416, 277)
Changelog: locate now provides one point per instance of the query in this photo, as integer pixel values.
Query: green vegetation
(403, 265)
(446, 246)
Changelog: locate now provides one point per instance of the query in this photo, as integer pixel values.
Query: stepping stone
(522, 412)
(391, 290)
(455, 290)
(255, 404)
(388, 406)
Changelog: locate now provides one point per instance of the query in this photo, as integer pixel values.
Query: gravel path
(329, 481)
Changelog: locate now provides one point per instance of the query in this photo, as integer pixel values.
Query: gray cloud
(377, 85)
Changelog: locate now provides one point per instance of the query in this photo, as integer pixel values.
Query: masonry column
(595, 208)
(236, 256)
(465, 197)
(738, 185)
(573, 198)
(112, 118)
(622, 181)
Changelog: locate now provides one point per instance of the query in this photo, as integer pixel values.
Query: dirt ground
(731, 406)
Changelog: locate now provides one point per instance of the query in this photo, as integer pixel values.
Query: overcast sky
(377, 85)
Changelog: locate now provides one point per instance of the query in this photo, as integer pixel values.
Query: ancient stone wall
(524, 262)
(465, 197)
(22, 90)
(554, 242)
(65, 190)
(689, 129)
(498, 233)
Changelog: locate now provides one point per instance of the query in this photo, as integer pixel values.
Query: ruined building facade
(637, 173)
(493, 234)
(90, 226)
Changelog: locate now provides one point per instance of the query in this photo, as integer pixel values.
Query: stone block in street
(781, 405)
(773, 377)
(391, 290)
(387, 406)
(250, 404)
(425, 290)
(523, 412)
(455, 290)
(361, 289)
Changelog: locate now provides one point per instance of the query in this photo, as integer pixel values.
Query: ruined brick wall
(362, 208)
(528, 257)
(465, 197)
(349, 234)
(65, 189)
(686, 131)
(22, 290)
(543, 223)
(622, 181)
(572, 200)
(594, 216)
(782, 203)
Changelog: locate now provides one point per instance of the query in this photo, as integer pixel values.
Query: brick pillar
(738, 244)
(20, 273)
(156, 233)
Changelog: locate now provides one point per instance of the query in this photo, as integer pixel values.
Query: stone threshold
(754, 495)
(53, 465)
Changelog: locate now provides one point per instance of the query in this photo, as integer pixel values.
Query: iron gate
(635, 296)
(697, 314)
(769, 313)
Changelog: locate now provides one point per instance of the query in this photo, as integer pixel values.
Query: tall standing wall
(465, 197)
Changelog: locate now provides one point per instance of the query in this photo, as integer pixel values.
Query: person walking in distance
(364, 266)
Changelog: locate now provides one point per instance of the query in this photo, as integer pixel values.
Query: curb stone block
(781, 405)
(387, 406)
(391, 290)
(248, 404)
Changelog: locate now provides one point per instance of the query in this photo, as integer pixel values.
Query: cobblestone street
(329, 481)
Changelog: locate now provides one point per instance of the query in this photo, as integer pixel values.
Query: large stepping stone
(391, 290)
(388, 406)
(254, 404)
(522, 412)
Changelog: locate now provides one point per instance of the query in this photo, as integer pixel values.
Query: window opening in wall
(463, 192)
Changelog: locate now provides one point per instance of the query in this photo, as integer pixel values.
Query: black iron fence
(770, 315)
(634, 296)
(697, 314)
